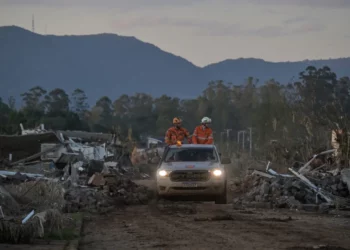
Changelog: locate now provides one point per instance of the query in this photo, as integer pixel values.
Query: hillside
(108, 64)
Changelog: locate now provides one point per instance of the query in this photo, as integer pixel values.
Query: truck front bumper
(214, 186)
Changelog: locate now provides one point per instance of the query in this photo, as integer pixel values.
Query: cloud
(149, 4)
(165, 21)
(280, 31)
(216, 28)
(273, 12)
(296, 20)
(122, 4)
(310, 27)
(309, 3)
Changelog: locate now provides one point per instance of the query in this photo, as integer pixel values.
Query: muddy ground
(188, 225)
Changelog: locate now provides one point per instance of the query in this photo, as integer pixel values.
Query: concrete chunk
(345, 176)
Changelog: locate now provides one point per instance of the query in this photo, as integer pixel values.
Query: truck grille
(189, 175)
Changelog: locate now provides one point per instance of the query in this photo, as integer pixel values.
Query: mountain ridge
(112, 65)
(148, 43)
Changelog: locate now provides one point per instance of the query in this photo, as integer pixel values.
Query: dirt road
(186, 225)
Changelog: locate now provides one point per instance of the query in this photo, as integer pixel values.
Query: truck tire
(222, 198)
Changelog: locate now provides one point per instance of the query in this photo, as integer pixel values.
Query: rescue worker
(177, 133)
(203, 134)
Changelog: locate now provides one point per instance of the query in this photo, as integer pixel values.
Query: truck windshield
(191, 154)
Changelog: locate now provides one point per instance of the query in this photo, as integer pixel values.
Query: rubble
(345, 177)
(108, 191)
(315, 190)
(14, 231)
(8, 204)
(149, 153)
(47, 173)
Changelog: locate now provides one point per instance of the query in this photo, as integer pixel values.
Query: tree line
(298, 116)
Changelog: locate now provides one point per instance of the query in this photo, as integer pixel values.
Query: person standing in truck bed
(203, 134)
(177, 133)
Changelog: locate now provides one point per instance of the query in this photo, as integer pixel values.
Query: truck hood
(190, 165)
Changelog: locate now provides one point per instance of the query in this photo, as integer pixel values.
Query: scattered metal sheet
(271, 171)
(317, 190)
(9, 173)
(28, 217)
(257, 172)
(303, 169)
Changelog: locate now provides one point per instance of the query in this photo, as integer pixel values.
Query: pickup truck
(192, 170)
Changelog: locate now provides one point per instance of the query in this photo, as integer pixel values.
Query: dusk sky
(201, 31)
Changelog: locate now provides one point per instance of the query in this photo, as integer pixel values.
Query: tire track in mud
(197, 236)
(251, 231)
(140, 228)
(172, 226)
(220, 232)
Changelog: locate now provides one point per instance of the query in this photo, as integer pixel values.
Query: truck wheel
(221, 199)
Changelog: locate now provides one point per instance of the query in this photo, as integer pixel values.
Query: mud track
(186, 225)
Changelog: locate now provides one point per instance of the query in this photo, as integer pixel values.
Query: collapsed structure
(315, 185)
(47, 173)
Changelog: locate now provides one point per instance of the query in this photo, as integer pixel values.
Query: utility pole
(250, 141)
(243, 139)
(227, 140)
(222, 140)
(33, 24)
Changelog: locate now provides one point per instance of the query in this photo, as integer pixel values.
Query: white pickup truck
(192, 170)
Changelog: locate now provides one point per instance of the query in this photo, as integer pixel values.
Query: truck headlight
(217, 172)
(162, 173)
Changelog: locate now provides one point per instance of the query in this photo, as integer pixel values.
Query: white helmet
(206, 120)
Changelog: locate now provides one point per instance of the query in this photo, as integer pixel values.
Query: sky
(202, 31)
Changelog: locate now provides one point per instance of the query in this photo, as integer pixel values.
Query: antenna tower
(33, 28)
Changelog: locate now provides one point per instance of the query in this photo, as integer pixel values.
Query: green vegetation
(300, 115)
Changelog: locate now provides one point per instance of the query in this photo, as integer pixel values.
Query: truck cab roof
(194, 146)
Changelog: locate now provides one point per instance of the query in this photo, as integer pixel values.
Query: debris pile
(48, 173)
(108, 191)
(39, 194)
(31, 227)
(29, 209)
(317, 189)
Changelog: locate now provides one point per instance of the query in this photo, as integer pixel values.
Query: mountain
(284, 72)
(109, 64)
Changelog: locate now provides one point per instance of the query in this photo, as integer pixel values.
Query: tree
(166, 108)
(121, 106)
(299, 116)
(4, 112)
(57, 102)
(189, 110)
(106, 114)
(33, 98)
(272, 116)
(12, 102)
(34, 107)
(80, 105)
(141, 117)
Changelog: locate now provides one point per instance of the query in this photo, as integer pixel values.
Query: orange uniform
(202, 135)
(175, 134)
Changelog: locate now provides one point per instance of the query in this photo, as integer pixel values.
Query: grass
(70, 231)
